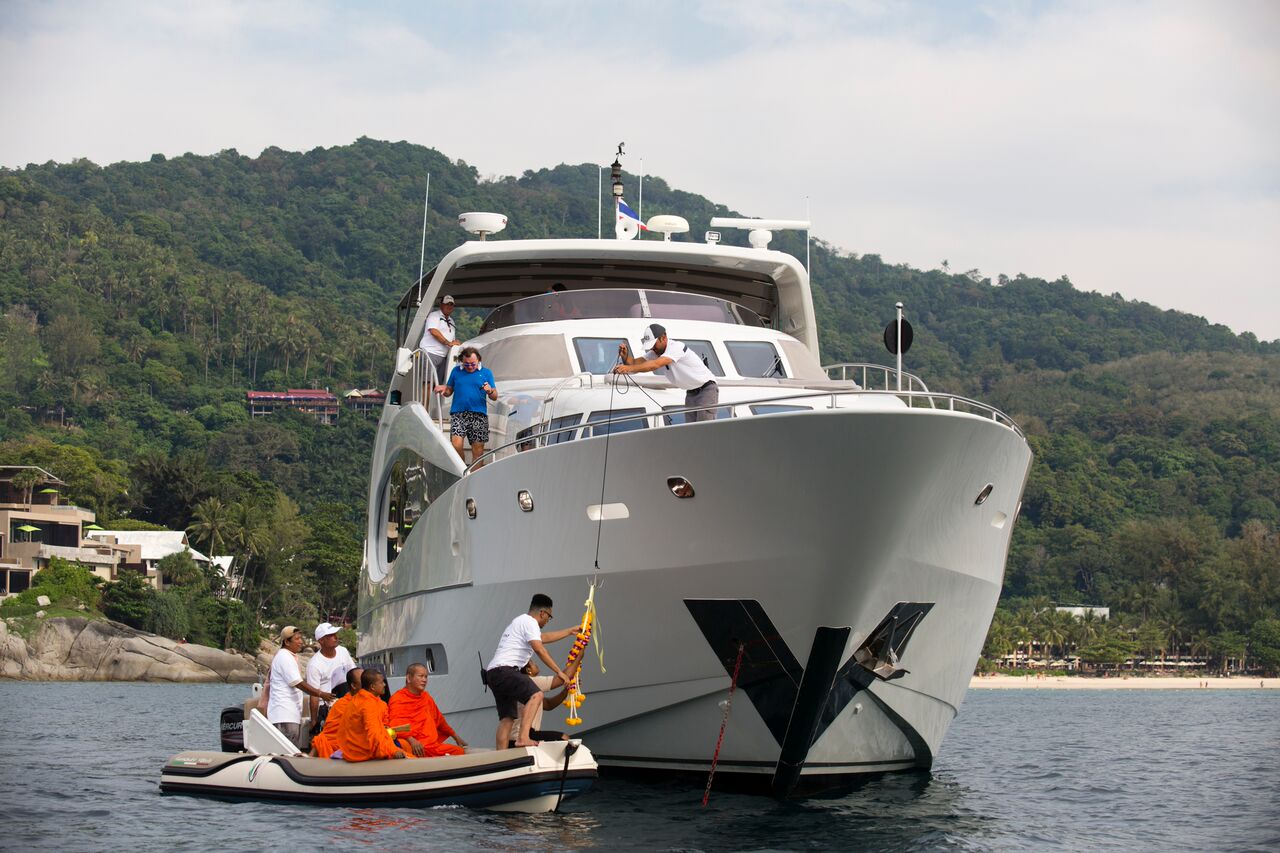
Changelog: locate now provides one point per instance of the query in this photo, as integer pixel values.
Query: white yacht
(830, 547)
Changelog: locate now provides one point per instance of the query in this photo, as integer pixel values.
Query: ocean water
(1020, 770)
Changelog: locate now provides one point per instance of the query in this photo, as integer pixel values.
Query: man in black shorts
(514, 693)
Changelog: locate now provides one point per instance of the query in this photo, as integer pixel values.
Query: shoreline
(1146, 682)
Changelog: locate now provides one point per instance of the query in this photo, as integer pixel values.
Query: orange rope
(728, 703)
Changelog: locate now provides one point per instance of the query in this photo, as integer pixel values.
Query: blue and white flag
(628, 226)
(625, 212)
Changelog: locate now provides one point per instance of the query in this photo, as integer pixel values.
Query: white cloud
(1134, 147)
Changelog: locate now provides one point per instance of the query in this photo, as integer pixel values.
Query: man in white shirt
(438, 338)
(514, 693)
(285, 686)
(681, 365)
(328, 667)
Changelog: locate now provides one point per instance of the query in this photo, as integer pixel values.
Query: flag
(625, 212)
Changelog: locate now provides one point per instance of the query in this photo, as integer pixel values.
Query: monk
(363, 735)
(324, 744)
(412, 704)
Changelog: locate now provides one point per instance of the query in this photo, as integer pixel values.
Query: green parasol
(28, 528)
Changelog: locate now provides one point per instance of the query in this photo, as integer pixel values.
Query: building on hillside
(36, 525)
(320, 404)
(1079, 610)
(366, 401)
(144, 549)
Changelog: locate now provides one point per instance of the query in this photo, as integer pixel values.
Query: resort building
(35, 526)
(366, 401)
(320, 404)
(144, 549)
(1079, 610)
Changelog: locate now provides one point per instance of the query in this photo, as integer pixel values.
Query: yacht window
(625, 426)
(563, 423)
(672, 418)
(756, 359)
(527, 357)
(707, 353)
(772, 409)
(597, 355)
(526, 439)
(413, 484)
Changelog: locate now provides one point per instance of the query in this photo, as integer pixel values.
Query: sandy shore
(1019, 682)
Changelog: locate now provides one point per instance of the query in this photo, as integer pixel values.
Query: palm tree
(1172, 626)
(211, 524)
(27, 479)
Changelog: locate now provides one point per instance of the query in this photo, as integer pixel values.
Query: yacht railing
(874, 376)
(913, 399)
(422, 382)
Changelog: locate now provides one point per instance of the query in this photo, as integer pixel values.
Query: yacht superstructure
(835, 538)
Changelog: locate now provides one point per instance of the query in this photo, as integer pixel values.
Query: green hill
(141, 300)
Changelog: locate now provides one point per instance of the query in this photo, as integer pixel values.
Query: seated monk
(412, 705)
(363, 734)
(324, 744)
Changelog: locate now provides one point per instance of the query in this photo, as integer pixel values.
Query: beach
(1118, 682)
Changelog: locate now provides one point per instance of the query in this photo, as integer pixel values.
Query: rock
(43, 600)
(77, 649)
(40, 614)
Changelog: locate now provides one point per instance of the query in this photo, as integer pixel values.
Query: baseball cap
(448, 300)
(287, 633)
(324, 629)
(651, 334)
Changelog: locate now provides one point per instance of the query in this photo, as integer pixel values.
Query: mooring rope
(728, 704)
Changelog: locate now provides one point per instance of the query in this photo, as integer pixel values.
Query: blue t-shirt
(468, 389)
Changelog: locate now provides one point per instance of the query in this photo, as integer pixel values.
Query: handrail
(913, 400)
(422, 381)
(914, 383)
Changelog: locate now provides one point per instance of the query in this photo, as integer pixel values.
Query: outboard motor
(232, 729)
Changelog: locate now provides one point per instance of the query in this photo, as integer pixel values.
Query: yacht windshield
(615, 303)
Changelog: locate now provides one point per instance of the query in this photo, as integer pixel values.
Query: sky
(1131, 146)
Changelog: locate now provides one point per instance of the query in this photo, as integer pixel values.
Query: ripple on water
(1020, 770)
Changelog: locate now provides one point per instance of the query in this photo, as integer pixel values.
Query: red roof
(293, 394)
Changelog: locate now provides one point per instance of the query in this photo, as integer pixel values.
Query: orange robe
(363, 734)
(326, 742)
(426, 723)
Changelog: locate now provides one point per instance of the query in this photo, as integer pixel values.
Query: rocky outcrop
(77, 649)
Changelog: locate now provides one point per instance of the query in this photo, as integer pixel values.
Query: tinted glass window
(673, 418)
(563, 423)
(771, 409)
(707, 354)
(756, 359)
(625, 426)
(597, 355)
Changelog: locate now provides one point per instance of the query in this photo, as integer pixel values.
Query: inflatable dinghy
(529, 779)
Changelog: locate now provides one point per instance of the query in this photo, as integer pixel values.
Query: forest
(140, 301)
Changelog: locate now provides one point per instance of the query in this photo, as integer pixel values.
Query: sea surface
(1020, 769)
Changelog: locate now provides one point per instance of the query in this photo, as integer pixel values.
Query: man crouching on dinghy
(514, 693)
(363, 735)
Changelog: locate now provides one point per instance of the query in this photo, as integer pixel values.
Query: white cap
(448, 300)
(324, 629)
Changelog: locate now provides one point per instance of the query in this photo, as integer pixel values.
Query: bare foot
(521, 743)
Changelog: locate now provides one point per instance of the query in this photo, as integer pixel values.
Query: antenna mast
(422, 258)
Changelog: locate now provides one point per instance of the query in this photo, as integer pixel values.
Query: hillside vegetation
(141, 300)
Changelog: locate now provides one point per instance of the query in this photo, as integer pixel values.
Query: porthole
(680, 487)
(984, 494)
(525, 500)
(471, 507)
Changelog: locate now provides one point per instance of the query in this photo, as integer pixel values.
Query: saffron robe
(326, 742)
(363, 734)
(425, 721)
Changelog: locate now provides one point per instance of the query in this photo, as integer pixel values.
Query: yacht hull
(800, 522)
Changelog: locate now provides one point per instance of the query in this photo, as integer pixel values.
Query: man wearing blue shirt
(469, 384)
